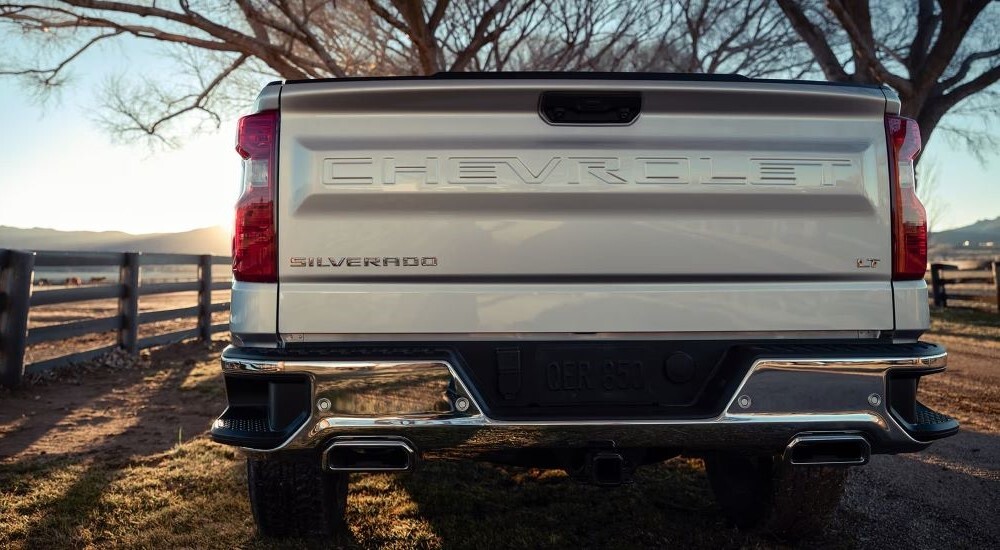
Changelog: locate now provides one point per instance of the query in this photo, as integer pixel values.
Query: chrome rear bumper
(428, 404)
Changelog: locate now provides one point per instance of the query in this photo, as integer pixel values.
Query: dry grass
(121, 460)
(972, 326)
(184, 497)
(969, 391)
(192, 495)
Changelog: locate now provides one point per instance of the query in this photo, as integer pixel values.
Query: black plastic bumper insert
(264, 411)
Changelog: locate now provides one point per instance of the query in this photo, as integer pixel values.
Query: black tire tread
(766, 495)
(292, 497)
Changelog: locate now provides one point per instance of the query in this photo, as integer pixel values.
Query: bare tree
(747, 37)
(220, 45)
(222, 49)
(941, 57)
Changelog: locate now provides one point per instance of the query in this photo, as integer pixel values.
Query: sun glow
(94, 185)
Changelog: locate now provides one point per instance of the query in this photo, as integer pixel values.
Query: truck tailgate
(452, 207)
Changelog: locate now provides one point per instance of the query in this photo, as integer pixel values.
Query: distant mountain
(208, 240)
(977, 235)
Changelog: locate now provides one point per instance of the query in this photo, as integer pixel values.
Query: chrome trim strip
(928, 362)
(876, 364)
(866, 376)
(576, 336)
(245, 366)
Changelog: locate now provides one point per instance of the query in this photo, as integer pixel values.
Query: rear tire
(768, 495)
(294, 497)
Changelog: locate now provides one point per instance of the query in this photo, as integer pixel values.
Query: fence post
(128, 303)
(205, 298)
(996, 282)
(937, 286)
(15, 288)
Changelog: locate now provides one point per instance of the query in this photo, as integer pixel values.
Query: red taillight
(255, 251)
(909, 219)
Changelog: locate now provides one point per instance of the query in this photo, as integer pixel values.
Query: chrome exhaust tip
(828, 449)
(369, 455)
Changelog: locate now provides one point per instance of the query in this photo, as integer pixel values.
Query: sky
(59, 169)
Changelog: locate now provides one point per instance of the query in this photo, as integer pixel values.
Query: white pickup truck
(590, 272)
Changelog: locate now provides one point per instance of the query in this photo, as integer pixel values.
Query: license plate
(593, 375)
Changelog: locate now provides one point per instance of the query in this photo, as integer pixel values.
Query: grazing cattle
(73, 281)
(42, 282)
(97, 280)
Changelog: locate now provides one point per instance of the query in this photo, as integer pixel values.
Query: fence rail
(17, 268)
(945, 275)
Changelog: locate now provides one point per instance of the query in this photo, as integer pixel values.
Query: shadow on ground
(120, 459)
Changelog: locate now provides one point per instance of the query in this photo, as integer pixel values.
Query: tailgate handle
(590, 107)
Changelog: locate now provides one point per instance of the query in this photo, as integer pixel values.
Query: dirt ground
(118, 457)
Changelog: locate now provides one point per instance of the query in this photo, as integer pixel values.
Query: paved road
(949, 495)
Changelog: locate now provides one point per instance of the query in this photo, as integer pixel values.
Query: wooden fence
(17, 299)
(945, 275)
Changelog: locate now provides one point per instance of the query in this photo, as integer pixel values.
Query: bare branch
(966, 66)
(973, 86)
(480, 36)
(927, 23)
(855, 18)
(940, 36)
(956, 19)
(245, 40)
(47, 77)
(134, 113)
(815, 39)
(302, 25)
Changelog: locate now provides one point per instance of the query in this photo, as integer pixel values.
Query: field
(117, 456)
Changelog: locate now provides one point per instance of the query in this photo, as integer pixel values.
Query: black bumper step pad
(243, 425)
(248, 427)
(930, 424)
(264, 410)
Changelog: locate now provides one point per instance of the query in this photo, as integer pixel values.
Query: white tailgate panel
(726, 207)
